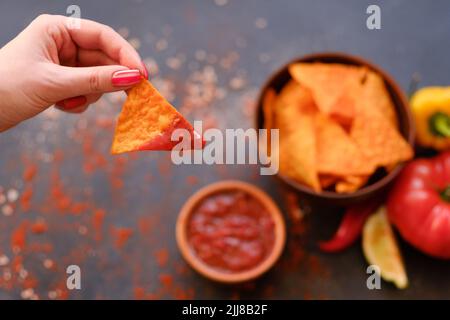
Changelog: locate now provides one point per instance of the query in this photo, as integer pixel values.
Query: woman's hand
(50, 63)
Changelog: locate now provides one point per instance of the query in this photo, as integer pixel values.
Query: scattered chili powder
(162, 257)
(30, 282)
(192, 180)
(18, 237)
(60, 199)
(139, 293)
(146, 225)
(79, 207)
(25, 198)
(39, 227)
(97, 223)
(166, 279)
(121, 236)
(117, 171)
(29, 172)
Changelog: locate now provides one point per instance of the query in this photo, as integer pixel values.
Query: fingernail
(145, 70)
(72, 103)
(125, 78)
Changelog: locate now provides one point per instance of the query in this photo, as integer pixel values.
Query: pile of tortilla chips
(147, 121)
(337, 126)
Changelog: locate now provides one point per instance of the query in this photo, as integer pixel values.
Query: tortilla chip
(337, 154)
(298, 153)
(343, 111)
(293, 102)
(377, 96)
(147, 121)
(295, 94)
(351, 183)
(377, 138)
(327, 81)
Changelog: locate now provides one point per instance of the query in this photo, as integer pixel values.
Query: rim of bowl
(393, 88)
(210, 272)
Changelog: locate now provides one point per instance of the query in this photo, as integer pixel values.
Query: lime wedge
(381, 249)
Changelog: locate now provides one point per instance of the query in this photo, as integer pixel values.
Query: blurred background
(65, 200)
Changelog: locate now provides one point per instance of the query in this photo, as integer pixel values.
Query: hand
(49, 63)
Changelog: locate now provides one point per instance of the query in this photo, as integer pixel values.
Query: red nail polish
(72, 103)
(126, 78)
(145, 70)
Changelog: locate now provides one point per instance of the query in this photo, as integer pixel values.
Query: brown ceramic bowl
(378, 185)
(205, 269)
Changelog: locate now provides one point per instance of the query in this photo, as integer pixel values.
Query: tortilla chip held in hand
(147, 121)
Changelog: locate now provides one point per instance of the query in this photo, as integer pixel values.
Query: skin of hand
(51, 62)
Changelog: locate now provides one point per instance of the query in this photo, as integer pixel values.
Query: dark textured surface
(414, 38)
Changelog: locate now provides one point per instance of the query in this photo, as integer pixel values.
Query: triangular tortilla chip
(147, 121)
(293, 102)
(337, 154)
(328, 82)
(294, 110)
(377, 138)
(376, 96)
(298, 153)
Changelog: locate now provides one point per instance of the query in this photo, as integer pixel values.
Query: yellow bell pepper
(431, 109)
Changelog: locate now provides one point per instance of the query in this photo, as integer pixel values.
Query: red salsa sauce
(231, 231)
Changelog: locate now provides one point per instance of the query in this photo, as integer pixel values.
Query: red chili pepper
(419, 205)
(351, 226)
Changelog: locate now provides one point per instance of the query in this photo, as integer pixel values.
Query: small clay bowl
(404, 116)
(205, 269)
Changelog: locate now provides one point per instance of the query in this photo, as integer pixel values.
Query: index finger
(92, 35)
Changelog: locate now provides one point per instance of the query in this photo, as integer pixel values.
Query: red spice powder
(60, 199)
(121, 236)
(30, 282)
(18, 237)
(181, 294)
(39, 227)
(97, 223)
(117, 171)
(25, 199)
(46, 247)
(139, 293)
(17, 264)
(162, 257)
(29, 172)
(146, 225)
(93, 159)
(79, 207)
(192, 180)
(166, 279)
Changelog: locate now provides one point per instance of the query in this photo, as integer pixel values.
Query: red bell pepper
(351, 226)
(419, 205)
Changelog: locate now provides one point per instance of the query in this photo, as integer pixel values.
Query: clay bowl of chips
(345, 129)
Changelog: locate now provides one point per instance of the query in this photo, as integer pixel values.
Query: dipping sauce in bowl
(230, 232)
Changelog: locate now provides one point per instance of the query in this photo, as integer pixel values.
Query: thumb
(88, 80)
